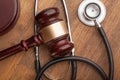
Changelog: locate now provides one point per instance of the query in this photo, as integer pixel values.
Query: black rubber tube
(87, 61)
(109, 53)
(74, 70)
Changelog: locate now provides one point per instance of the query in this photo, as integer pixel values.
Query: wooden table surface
(87, 42)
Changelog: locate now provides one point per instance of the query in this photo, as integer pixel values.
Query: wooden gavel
(52, 31)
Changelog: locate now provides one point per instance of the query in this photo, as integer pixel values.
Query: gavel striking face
(52, 32)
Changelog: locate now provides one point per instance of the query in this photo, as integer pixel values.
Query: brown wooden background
(87, 43)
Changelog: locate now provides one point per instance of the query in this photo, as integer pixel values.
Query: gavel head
(54, 32)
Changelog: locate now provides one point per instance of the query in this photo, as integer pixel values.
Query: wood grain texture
(86, 39)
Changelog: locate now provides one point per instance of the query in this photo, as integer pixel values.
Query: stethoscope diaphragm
(90, 10)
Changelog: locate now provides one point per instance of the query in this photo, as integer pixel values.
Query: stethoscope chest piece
(90, 10)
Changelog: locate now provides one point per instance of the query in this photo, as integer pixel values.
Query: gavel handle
(24, 45)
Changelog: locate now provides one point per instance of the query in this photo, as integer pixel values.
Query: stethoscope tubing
(87, 61)
(109, 53)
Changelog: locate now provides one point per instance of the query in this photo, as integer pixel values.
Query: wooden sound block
(9, 10)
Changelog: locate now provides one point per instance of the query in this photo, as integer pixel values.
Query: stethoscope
(91, 13)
